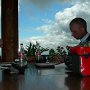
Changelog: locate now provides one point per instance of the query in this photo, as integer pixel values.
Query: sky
(47, 21)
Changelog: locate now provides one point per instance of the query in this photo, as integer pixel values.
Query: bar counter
(43, 79)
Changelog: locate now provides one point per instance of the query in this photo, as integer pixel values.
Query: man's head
(78, 28)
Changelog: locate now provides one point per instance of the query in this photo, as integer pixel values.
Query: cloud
(0, 9)
(42, 4)
(46, 21)
(19, 5)
(63, 18)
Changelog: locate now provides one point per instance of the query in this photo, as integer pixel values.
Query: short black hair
(80, 21)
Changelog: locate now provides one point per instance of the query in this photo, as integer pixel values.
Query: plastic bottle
(21, 53)
(38, 55)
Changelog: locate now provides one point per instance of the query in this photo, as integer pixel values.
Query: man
(78, 28)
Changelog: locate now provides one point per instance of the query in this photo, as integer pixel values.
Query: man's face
(77, 31)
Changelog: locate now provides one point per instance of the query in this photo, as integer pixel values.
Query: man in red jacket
(78, 28)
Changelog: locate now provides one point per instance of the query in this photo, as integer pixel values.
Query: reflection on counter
(76, 82)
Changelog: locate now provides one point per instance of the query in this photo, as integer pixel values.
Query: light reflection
(77, 82)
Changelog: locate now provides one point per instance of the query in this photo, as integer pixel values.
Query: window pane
(47, 21)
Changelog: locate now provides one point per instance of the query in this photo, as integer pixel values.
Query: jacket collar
(84, 39)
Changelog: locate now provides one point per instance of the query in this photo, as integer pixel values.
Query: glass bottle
(21, 53)
(22, 56)
(38, 55)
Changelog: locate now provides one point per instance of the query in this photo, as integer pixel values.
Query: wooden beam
(9, 29)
